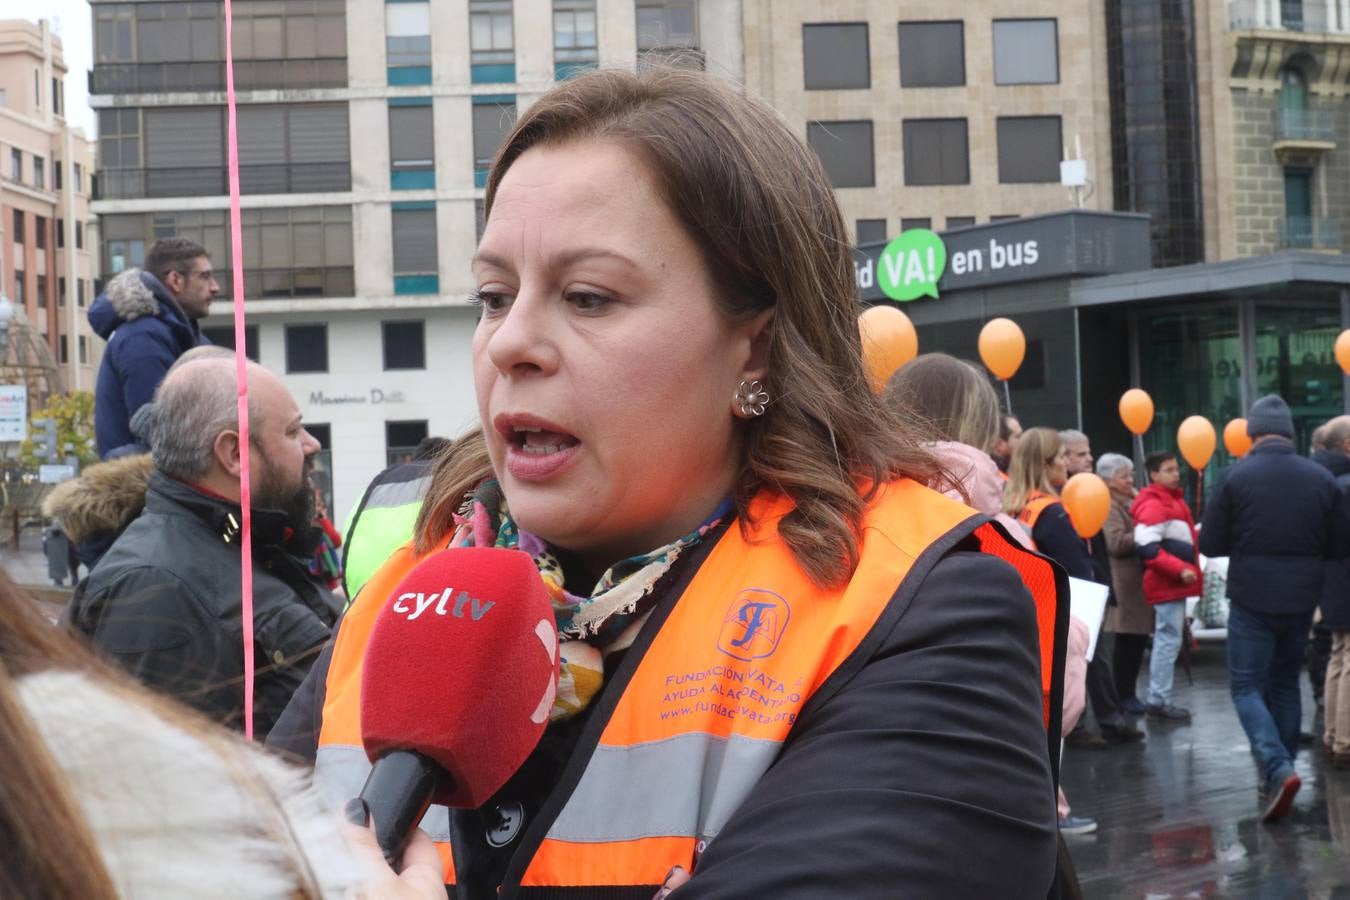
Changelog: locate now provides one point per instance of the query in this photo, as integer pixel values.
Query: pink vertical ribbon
(241, 375)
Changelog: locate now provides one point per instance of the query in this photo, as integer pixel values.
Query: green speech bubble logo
(910, 266)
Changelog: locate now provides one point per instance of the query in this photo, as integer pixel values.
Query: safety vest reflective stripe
(664, 789)
(340, 771)
(398, 493)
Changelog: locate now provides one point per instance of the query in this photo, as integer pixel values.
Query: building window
(479, 218)
(492, 42)
(119, 153)
(61, 290)
(932, 54)
(845, 150)
(18, 226)
(1029, 149)
(223, 336)
(412, 147)
(835, 56)
(575, 45)
(1026, 51)
(39, 172)
(960, 221)
(18, 287)
(666, 25)
(82, 343)
(79, 235)
(16, 165)
(907, 224)
(79, 293)
(42, 291)
(870, 231)
(306, 348)
(407, 42)
(401, 440)
(56, 174)
(40, 232)
(936, 152)
(1004, 218)
(493, 119)
(79, 179)
(60, 234)
(405, 345)
(65, 349)
(415, 263)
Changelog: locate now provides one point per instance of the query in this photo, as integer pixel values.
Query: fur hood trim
(176, 813)
(131, 297)
(106, 497)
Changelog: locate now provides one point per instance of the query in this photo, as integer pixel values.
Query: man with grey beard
(165, 601)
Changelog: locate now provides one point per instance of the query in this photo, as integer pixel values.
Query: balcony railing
(1310, 16)
(213, 181)
(249, 75)
(1311, 233)
(1305, 125)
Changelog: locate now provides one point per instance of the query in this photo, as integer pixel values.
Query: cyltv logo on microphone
(439, 602)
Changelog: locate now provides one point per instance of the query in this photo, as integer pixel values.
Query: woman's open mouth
(535, 450)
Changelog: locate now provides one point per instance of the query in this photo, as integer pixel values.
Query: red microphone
(457, 685)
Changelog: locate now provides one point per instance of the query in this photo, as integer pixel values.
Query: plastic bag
(1212, 610)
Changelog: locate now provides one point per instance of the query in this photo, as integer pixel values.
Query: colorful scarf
(589, 628)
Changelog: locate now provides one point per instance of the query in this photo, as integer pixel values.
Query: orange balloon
(1136, 410)
(1088, 500)
(888, 341)
(1196, 440)
(1343, 351)
(1002, 347)
(1235, 438)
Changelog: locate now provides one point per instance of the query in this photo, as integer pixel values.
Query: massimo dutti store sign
(922, 264)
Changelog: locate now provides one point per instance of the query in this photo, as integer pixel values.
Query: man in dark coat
(1273, 515)
(149, 319)
(164, 601)
(1335, 456)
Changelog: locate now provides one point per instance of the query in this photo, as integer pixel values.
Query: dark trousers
(1265, 661)
(1127, 661)
(1101, 687)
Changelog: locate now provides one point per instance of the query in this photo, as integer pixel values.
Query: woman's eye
(490, 301)
(586, 301)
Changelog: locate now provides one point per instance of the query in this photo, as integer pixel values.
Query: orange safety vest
(711, 701)
(1037, 503)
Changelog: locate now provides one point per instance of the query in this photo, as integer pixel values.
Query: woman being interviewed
(788, 666)
(1037, 473)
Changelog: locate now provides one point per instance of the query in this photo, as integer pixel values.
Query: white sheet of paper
(1087, 601)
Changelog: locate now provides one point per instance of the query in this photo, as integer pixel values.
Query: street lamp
(6, 316)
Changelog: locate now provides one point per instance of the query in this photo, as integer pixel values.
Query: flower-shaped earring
(751, 399)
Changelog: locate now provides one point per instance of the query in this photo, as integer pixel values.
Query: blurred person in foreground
(113, 792)
(164, 601)
(1164, 534)
(958, 402)
(732, 511)
(1273, 515)
(1129, 618)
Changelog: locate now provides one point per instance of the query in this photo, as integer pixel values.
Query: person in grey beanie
(1273, 514)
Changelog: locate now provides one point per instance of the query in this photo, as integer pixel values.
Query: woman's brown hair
(1026, 472)
(757, 202)
(951, 395)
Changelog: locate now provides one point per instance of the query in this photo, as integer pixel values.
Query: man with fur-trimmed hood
(149, 318)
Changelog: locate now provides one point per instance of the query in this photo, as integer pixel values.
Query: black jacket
(925, 755)
(1273, 514)
(164, 603)
(1056, 538)
(1336, 589)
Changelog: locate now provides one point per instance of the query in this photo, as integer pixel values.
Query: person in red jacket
(1164, 532)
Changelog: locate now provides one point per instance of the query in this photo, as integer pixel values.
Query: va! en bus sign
(912, 264)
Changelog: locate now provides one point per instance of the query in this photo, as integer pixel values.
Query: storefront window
(1191, 364)
(1295, 358)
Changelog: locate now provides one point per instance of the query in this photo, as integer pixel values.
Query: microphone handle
(398, 793)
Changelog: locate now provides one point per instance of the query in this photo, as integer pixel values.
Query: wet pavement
(1178, 813)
